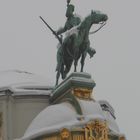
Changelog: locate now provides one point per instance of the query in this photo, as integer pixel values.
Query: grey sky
(26, 44)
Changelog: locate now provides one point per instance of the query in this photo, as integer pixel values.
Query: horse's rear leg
(60, 70)
(76, 60)
(57, 77)
(67, 69)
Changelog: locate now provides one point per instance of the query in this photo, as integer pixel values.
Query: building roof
(24, 82)
(56, 117)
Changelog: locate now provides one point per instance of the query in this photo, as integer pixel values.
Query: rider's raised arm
(61, 30)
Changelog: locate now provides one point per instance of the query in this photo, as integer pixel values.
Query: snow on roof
(21, 81)
(56, 117)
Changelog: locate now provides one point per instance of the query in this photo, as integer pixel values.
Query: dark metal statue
(72, 21)
(76, 44)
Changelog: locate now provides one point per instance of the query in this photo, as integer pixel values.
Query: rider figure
(71, 20)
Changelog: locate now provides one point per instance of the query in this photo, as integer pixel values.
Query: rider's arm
(64, 29)
(61, 30)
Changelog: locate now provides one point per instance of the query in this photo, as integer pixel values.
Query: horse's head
(97, 17)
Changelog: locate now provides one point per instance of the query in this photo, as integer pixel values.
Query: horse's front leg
(76, 60)
(75, 65)
(60, 70)
(76, 52)
(83, 61)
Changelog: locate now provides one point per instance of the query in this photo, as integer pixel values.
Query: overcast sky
(27, 44)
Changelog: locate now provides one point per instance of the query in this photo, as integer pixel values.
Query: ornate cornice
(93, 130)
(82, 93)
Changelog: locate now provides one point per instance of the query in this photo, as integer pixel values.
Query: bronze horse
(76, 45)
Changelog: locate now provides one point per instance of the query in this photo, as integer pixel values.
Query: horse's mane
(88, 16)
(84, 20)
(75, 30)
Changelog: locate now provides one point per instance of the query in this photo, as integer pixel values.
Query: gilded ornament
(65, 134)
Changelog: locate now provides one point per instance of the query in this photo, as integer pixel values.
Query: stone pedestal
(79, 84)
(76, 86)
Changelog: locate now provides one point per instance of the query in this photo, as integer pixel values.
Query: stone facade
(1, 123)
(18, 112)
(22, 97)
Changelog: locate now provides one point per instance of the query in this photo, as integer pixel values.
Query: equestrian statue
(76, 44)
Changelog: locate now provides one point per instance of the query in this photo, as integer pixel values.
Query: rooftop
(66, 117)
(24, 83)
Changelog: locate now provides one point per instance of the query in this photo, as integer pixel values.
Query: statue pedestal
(80, 85)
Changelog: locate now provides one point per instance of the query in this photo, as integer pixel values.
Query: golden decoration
(93, 130)
(0, 119)
(82, 93)
(96, 130)
(65, 134)
(122, 138)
